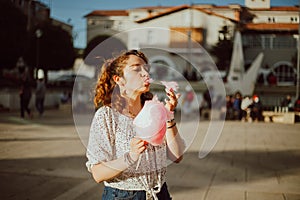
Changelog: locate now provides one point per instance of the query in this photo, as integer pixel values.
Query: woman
(113, 150)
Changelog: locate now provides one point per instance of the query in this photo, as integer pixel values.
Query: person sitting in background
(297, 105)
(64, 97)
(287, 103)
(256, 111)
(237, 112)
(246, 108)
(297, 109)
(229, 109)
(188, 100)
(272, 79)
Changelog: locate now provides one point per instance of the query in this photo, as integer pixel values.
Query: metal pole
(298, 59)
(29, 15)
(38, 34)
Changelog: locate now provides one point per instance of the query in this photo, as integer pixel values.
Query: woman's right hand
(137, 146)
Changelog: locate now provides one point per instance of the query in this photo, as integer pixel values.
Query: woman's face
(136, 75)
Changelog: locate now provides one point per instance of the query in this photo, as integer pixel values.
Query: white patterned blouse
(110, 136)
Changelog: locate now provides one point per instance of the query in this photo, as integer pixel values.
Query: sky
(73, 11)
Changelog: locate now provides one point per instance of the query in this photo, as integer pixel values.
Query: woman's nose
(144, 72)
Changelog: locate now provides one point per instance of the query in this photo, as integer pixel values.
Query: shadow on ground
(46, 178)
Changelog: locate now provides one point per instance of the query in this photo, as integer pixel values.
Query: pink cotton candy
(150, 123)
(170, 85)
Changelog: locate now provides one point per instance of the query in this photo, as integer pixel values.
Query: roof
(152, 7)
(179, 8)
(107, 13)
(166, 12)
(277, 8)
(216, 14)
(272, 26)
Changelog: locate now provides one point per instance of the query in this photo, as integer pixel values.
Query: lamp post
(38, 34)
(298, 60)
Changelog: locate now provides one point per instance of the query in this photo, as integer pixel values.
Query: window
(285, 74)
(284, 42)
(269, 41)
(120, 25)
(150, 39)
(269, 19)
(91, 22)
(108, 24)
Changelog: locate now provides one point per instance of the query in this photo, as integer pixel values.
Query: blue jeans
(110, 193)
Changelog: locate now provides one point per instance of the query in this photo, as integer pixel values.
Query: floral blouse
(110, 136)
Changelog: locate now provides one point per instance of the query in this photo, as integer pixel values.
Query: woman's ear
(119, 80)
(116, 78)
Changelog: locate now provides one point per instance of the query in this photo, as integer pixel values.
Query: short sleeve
(101, 138)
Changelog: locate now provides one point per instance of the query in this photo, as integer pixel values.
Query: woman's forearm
(108, 170)
(175, 143)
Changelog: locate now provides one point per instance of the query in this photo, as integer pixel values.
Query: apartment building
(180, 29)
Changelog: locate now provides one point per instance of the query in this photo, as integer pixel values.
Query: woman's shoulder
(103, 111)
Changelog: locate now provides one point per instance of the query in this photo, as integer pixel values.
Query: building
(38, 12)
(273, 31)
(177, 32)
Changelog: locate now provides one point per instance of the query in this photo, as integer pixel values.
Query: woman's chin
(147, 87)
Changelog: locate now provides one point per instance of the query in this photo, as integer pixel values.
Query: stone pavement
(43, 158)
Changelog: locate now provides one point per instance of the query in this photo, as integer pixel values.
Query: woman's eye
(136, 68)
(147, 68)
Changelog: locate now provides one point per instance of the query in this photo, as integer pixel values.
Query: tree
(52, 50)
(223, 49)
(13, 34)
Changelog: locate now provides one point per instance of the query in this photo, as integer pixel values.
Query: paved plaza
(44, 158)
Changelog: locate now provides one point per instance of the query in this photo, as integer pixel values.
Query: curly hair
(106, 89)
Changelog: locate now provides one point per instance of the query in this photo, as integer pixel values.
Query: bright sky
(73, 11)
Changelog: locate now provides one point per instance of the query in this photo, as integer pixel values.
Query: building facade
(179, 30)
(38, 12)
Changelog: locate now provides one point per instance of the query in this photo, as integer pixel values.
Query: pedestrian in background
(187, 101)
(25, 94)
(40, 93)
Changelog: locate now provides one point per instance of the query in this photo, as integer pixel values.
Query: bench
(280, 117)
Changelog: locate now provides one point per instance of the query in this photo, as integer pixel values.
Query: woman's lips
(147, 82)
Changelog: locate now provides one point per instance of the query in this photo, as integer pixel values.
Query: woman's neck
(133, 105)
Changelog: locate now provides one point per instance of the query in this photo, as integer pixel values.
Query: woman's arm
(107, 170)
(175, 143)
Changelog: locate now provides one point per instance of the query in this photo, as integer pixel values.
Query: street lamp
(298, 60)
(38, 34)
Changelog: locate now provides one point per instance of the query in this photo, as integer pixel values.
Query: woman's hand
(137, 146)
(171, 103)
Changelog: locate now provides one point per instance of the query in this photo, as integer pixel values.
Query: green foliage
(223, 50)
(55, 45)
(13, 34)
(54, 48)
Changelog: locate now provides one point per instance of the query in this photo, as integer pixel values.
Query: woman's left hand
(172, 100)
